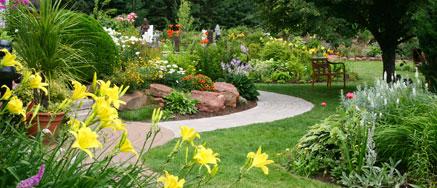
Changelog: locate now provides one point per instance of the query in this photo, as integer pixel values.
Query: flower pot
(6, 44)
(48, 121)
(7, 76)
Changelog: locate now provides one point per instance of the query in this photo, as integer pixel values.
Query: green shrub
(245, 86)
(405, 66)
(185, 60)
(210, 59)
(102, 52)
(179, 103)
(281, 77)
(336, 145)
(276, 50)
(261, 70)
(374, 50)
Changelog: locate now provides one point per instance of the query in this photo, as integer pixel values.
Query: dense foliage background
(207, 13)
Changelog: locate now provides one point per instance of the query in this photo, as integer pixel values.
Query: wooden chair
(323, 68)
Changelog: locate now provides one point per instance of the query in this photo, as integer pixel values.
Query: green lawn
(143, 114)
(233, 144)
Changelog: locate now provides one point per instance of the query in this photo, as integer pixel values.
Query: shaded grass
(143, 114)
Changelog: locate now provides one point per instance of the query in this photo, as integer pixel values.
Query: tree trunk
(388, 60)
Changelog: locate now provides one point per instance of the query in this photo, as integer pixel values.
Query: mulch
(226, 111)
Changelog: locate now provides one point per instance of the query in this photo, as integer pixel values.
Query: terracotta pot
(45, 121)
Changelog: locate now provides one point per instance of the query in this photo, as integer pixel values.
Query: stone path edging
(271, 107)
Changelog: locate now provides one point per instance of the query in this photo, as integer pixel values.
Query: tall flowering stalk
(34, 180)
(236, 66)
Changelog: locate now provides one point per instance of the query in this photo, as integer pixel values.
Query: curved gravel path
(271, 107)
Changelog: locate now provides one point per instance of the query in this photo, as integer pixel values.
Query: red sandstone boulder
(229, 91)
(159, 90)
(134, 101)
(209, 101)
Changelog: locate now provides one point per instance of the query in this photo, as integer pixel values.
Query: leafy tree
(427, 34)
(390, 21)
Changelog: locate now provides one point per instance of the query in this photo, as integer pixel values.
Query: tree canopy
(390, 21)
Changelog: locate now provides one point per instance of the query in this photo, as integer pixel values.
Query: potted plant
(54, 51)
(48, 116)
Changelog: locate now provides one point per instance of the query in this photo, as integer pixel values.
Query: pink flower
(131, 17)
(34, 180)
(323, 104)
(350, 95)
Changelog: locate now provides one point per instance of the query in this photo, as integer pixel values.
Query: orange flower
(204, 41)
(170, 33)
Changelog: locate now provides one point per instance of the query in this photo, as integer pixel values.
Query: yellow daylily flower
(205, 156)
(126, 145)
(117, 124)
(107, 114)
(312, 50)
(7, 94)
(9, 60)
(189, 134)
(74, 124)
(86, 139)
(80, 91)
(104, 111)
(259, 160)
(36, 83)
(15, 106)
(113, 93)
(171, 181)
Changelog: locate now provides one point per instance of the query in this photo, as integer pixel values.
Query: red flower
(324, 104)
(170, 33)
(204, 41)
(350, 95)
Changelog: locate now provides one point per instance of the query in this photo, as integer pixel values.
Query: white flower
(124, 46)
(397, 101)
(175, 66)
(16, 30)
(137, 53)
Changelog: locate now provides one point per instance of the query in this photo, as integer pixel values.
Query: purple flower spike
(34, 180)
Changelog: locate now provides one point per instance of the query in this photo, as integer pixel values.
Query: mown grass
(233, 144)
